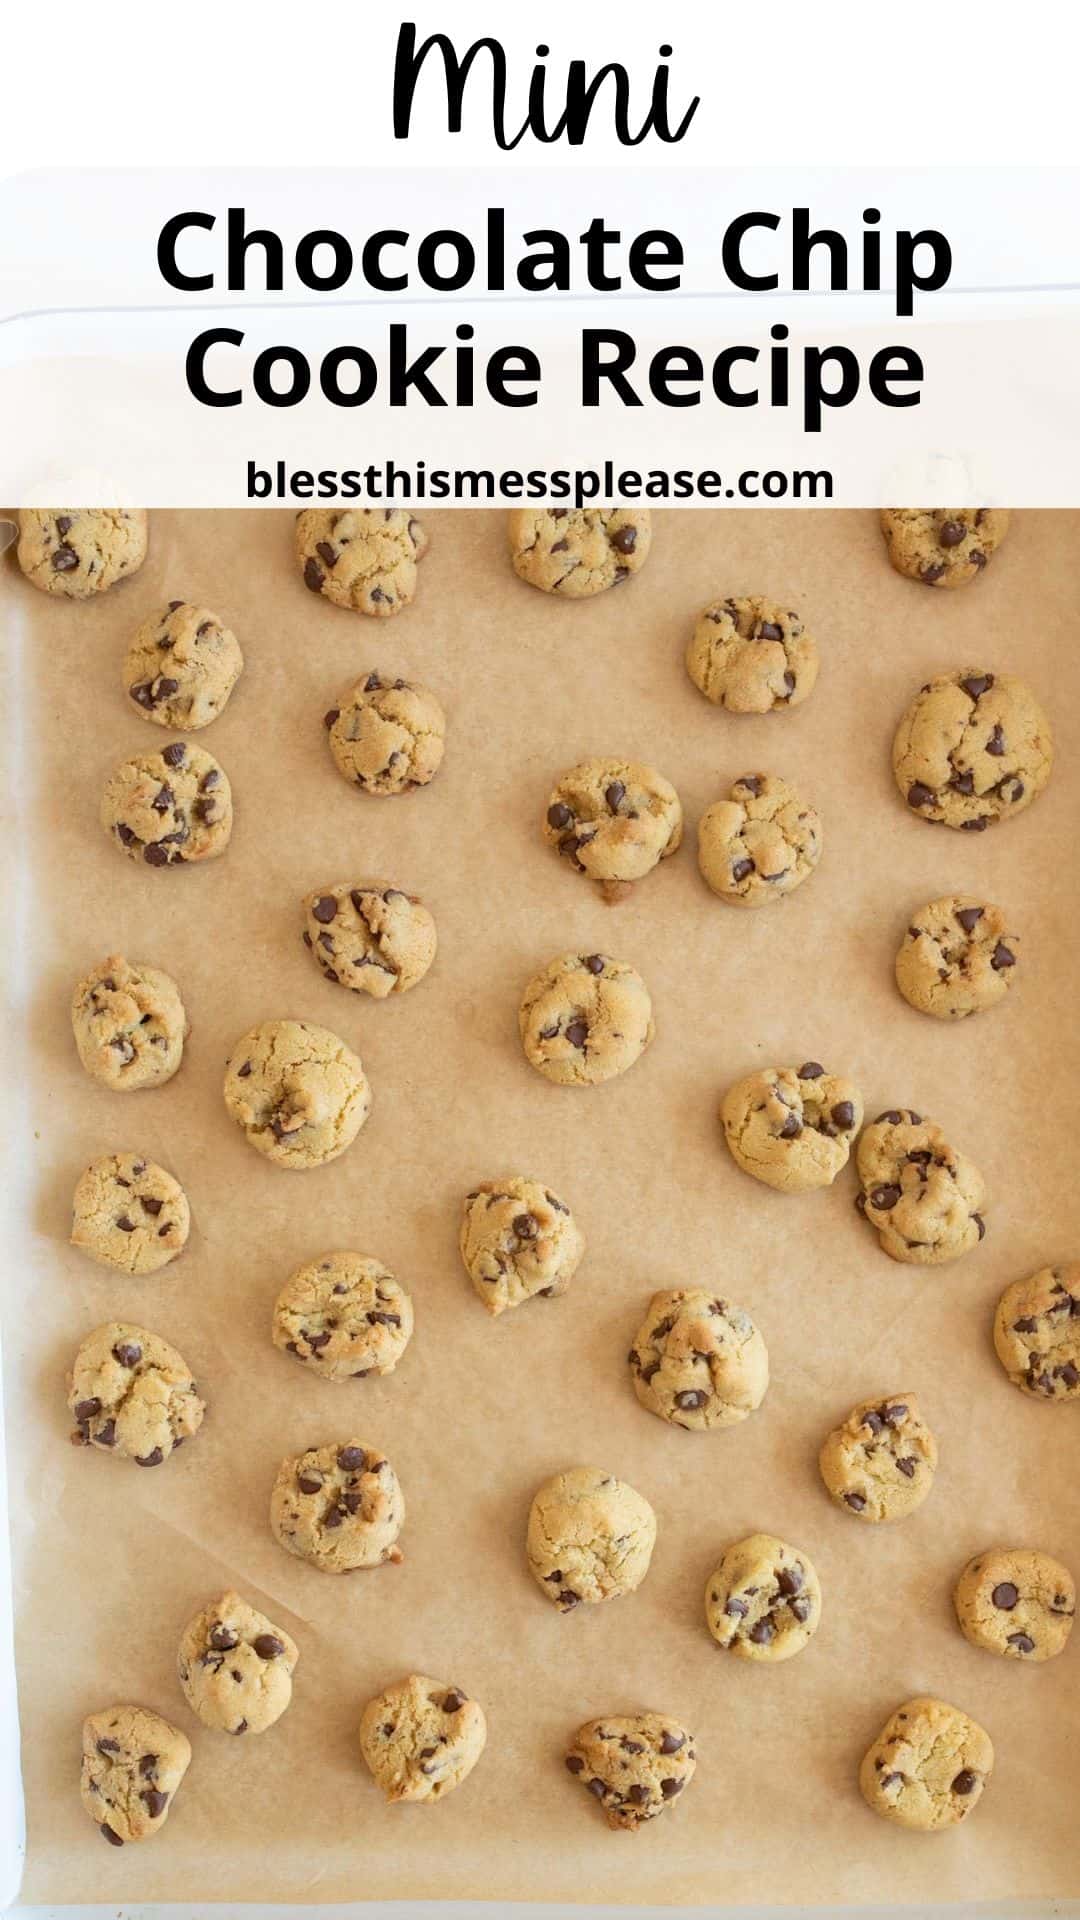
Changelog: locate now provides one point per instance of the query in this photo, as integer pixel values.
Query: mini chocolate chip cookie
(181, 666)
(1016, 1602)
(386, 736)
(344, 1316)
(880, 1463)
(760, 843)
(957, 957)
(924, 1199)
(172, 808)
(633, 1764)
(928, 1766)
(132, 1394)
(297, 1092)
(590, 1538)
(578, 551)
(129, 1213)
(973, 747)
(585, 1018)
(1037, 1333)
(236, 1667)
(518, 1240)
(697, 1361)
(79, 551)
(340, 1507)
(129, 1024)
(763, 1601)
(752, 656)
(421, 1738)
(792, 1127)
(362, 558)
(132, 1764)
(943, 546)
(372, 938)
(614, 821)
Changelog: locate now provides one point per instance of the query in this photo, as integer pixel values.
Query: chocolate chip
(324, 909)
(672, 1742)
(843, 1113)
(749, 782)
(87, 1410)
(351, 1459)
(150, 1459)
(963, 782)
(736, 1609)
(453, 1701)
(791, 1128)
(669, 1788)
(223, 1638)
(174, 755)
(526, 1226)
(812, 1070)
(594, 962)
(313, 575)
(625, 540)
(884, 1198)
(907, 1466)
(307, 1484)
(981, 1224)
(1022, 1642)
(762, 1632)
(577, 1033)
(559, 816)
(919, 795)
(969, 917)
(951, 532)
(689, 1401)
(768, 630)
(596, 1788)
(615, 794)
(800, 1607)
(574, 1763)
(106, 1746)
(155, 1801)
(637, 1795)
(330, 718)
(789, 1580)
(856, 1501)
(1005, 1596)
(977, 684)
(64, 559)
(1001, 958)
(268, 1646)
(965, 1782)
(126, 1353)
(996, 742)
(742, 869)
(113, 1839)
(106, 1435)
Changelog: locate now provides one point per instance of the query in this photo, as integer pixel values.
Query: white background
(261, 83)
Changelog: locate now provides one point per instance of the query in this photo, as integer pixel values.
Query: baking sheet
(110, 1562)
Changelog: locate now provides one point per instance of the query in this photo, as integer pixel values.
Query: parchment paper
(112, 1561)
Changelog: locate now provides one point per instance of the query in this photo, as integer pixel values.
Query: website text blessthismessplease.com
(403, 482)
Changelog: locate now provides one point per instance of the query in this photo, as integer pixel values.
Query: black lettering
(816, 394)
(907, 280)
(262, 376)
(501, 371)
(405, 374)
(593, 369)
(166, 252)
(731, 253)
(367, 377)
(238, 240)
(338, 275)
(881, 373)
(195, 367)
